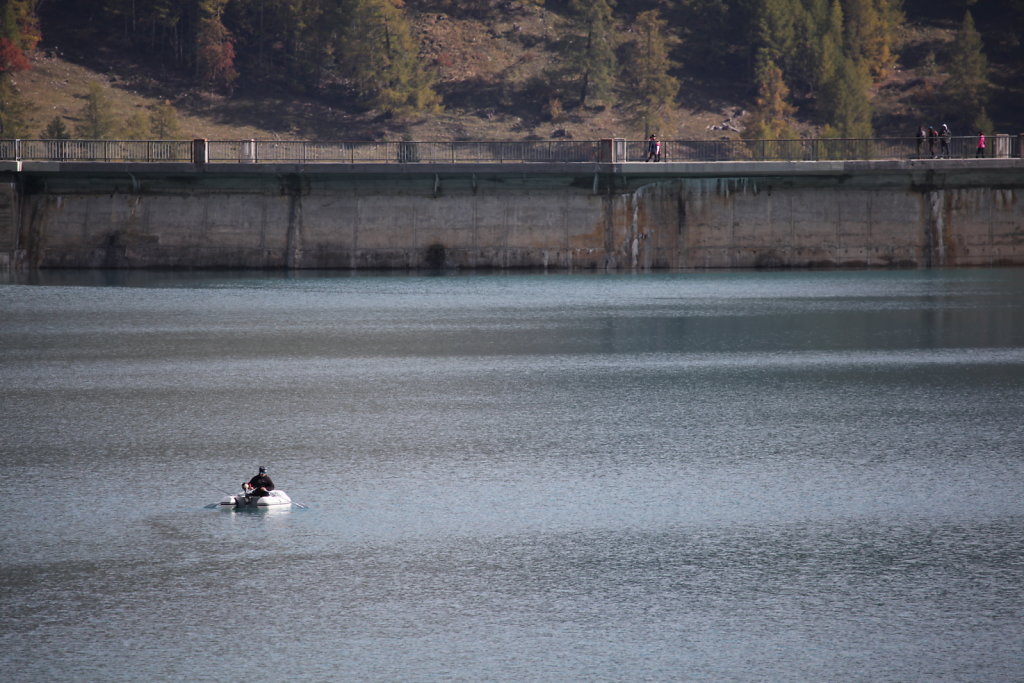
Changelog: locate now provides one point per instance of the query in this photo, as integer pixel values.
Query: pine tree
(591, 54)
(97, 120)
(56, 130)
(777, 22)
(649, 90)
(163, 122)
(382, 59)
(136, 127)
(311, 33)
(968, 85)
(161, 27)
(266, 38)
(830, 58)
(851, 111)
(811, 23)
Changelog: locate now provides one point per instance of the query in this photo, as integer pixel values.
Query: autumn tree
(771, 117)
(649, 90)
(19, 34)
(968, 86)
(869, 34)
(591, 54)
(215, 47)
(19, 30)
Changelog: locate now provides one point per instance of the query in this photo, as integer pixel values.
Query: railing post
(249, 152)
(200, 152)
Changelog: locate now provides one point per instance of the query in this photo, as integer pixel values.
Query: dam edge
(564, 216)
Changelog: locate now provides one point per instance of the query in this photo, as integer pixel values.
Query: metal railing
(513, 152)
(96, 150)
(826, 149)
(255, 151)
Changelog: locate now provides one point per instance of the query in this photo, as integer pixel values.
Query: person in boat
(260, 485)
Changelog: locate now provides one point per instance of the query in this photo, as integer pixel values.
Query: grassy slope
(484, 68)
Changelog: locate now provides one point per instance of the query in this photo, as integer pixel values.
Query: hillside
(490, 69)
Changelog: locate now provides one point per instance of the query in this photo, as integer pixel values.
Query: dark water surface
(714, 477)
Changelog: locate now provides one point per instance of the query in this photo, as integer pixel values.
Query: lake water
(793, 476)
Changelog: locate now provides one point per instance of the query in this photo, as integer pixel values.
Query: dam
(600, 215)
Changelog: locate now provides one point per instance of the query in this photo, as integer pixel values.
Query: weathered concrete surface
(669, 215)
(9, 215)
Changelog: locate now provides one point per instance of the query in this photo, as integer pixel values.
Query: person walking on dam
(932, 135)
(654, 148)
(944, 137)
(921, 135)
(980, 154)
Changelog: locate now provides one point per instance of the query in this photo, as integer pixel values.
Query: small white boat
(276, 499)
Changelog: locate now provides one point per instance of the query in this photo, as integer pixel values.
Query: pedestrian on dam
(980, 154)
(944, 137)
(932, 135)
(653, 148)
(921, 135)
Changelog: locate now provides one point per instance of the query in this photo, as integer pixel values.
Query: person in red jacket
(981, 146)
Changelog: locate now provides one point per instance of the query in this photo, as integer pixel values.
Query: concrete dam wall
(559, 216)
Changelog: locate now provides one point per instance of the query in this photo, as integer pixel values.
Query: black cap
(263, 470)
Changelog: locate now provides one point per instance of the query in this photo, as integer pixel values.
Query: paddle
(217, 488)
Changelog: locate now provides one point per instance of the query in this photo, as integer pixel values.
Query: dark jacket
(262, 481)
